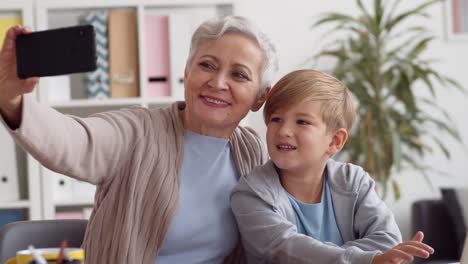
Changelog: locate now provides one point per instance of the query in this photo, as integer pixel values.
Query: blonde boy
(304, 207)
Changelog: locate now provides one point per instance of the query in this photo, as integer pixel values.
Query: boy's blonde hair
(337, 104)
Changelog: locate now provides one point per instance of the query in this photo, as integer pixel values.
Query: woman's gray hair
(215, 28)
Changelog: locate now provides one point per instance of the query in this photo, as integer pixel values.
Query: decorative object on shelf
(123, 54)
(98, 81)
(381, 63)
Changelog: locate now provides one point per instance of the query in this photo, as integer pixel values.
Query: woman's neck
(305, 185)
(203, 129)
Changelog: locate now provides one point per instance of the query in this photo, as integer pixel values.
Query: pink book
(69, 215)
(157, 56)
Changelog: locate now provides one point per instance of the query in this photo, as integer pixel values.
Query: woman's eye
(240, 75)
(302, 122)
(275, 119)
(206, 65)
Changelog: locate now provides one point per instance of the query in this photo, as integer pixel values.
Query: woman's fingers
(30, 83)
(10, 37)
(9, 41)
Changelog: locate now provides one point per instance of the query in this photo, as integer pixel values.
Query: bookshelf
(181, 18)
(20, 183)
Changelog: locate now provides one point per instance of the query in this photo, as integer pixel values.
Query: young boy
(304, 207)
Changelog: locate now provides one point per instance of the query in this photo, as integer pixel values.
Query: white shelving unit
(29, 185)
(183, 15)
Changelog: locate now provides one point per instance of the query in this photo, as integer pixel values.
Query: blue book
(8, 216)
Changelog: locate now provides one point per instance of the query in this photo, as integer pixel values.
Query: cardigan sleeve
(88, 149)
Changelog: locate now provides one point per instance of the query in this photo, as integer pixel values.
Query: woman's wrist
(11, 112)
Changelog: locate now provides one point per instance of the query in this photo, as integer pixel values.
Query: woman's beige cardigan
(134, 157)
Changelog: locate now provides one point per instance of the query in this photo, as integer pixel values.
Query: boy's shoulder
(346, 177)
(263, 180)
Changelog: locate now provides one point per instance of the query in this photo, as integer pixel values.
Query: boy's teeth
(215, 101)
(286, 147)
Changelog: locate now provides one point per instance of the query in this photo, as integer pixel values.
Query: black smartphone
(56, 52)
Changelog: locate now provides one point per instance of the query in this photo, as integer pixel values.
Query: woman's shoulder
(246, 133)
(346, 177)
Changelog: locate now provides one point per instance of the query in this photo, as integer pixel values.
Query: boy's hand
(405, 251)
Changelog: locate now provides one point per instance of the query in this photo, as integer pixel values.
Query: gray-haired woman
(163, 176)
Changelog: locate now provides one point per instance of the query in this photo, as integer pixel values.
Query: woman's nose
(219, 81)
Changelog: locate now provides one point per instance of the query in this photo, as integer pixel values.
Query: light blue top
(318, 220)
(204, 229)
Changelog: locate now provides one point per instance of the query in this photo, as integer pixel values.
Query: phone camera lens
(81, 33)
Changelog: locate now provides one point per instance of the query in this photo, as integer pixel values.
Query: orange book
(123, 53)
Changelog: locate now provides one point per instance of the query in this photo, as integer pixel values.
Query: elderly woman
(163, 176)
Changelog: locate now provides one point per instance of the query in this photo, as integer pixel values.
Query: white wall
(288, 25)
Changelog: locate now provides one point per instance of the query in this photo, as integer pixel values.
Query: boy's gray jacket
(268, 223)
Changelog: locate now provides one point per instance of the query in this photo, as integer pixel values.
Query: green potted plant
(380, 60)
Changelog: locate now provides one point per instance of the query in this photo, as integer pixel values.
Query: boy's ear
(258, 104)
(337, 142)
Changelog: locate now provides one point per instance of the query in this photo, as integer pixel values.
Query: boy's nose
(219, 81)
(285, 131)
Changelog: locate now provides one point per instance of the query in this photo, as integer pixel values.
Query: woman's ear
(258, 104)
(185, 73)
(337, 142)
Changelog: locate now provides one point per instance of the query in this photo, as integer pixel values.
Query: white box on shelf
(59, 88)
(61, 186)
(8, 168)
(87, 211)
(83, 190)
(182, 24)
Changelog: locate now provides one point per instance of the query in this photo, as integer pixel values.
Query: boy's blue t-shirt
(318, 220)
(203, 229)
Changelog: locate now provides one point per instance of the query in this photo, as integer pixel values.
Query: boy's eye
(275, 119)
(302, 122)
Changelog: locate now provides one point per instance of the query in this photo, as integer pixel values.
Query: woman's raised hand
(11, 87)
(405, 251)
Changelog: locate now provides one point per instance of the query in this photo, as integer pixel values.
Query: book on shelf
(97, 82)
(123, 53)
(83, 213)
(5, 23)
(157, 56)
(11, 215)
(78, 214)
(9, 190)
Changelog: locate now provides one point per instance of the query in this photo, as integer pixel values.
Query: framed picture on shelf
(456, 13)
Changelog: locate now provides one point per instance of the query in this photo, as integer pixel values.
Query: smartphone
(56, 52)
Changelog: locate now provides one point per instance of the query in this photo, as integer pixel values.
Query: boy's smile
(297, 138)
